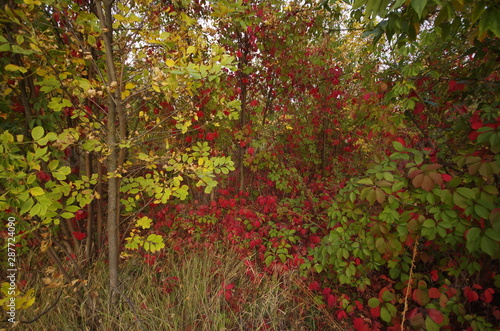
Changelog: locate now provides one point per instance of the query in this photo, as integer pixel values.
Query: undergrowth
(186, 290)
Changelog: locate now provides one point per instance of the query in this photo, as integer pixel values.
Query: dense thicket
(353, 143)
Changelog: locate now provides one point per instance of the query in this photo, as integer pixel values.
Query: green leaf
(398, 146)
(182, 192)
(489, 21)
(489, 246)
(388, 296)
(419, 6)
(27, 206)
(57, 104)
(495, 235)
(269, 259)
(373, 302)
(481, 211)
(365, 181)
(397, 186)
(381, 245)
(429, 223)
(40, 152)
(466, 192)
(385, 314)
(473, 234)
(65, 170)
(473, 243)
(430, 325)
(37, 133)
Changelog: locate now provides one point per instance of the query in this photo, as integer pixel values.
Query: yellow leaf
(125, 94)
(144, 222)
(32, 2)
(35, 47)
(119, 17)
(13, 67)
(40, 72)
(45, 245)
(170, 62)
(129, 86)
(36, 191)
(191, 49)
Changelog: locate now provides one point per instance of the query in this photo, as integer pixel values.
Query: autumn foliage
(352, 146)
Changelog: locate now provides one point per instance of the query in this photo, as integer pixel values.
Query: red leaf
(331, 300)
(315, 239)
(341, 314)
(359, 324)
(488, 295)
(453, 86)
(358, 304)
(434, 274)
(496, 313)
(446, 177)
(80, 215)
(375, 312)
(412, 313)
(314, 286)
(434, 293)
(229, 286)
(79, 235)
(436, 315)
(470, 294)
(212, 135)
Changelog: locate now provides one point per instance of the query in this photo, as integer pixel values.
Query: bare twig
(410, 280)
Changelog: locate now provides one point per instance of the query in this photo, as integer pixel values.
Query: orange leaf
(418, 180)
(427, 183)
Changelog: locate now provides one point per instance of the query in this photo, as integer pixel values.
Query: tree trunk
(243, 112)
(115, 111)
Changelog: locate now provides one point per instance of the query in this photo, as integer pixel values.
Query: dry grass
(183, 292)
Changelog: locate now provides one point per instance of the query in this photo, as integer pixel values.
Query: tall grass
(184, 291)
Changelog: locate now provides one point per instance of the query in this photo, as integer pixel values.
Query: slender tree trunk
(90, 211)
(99, 211)
(243, 112)
(115, 111)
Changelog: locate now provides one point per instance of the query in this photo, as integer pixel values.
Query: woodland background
(251, 165)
